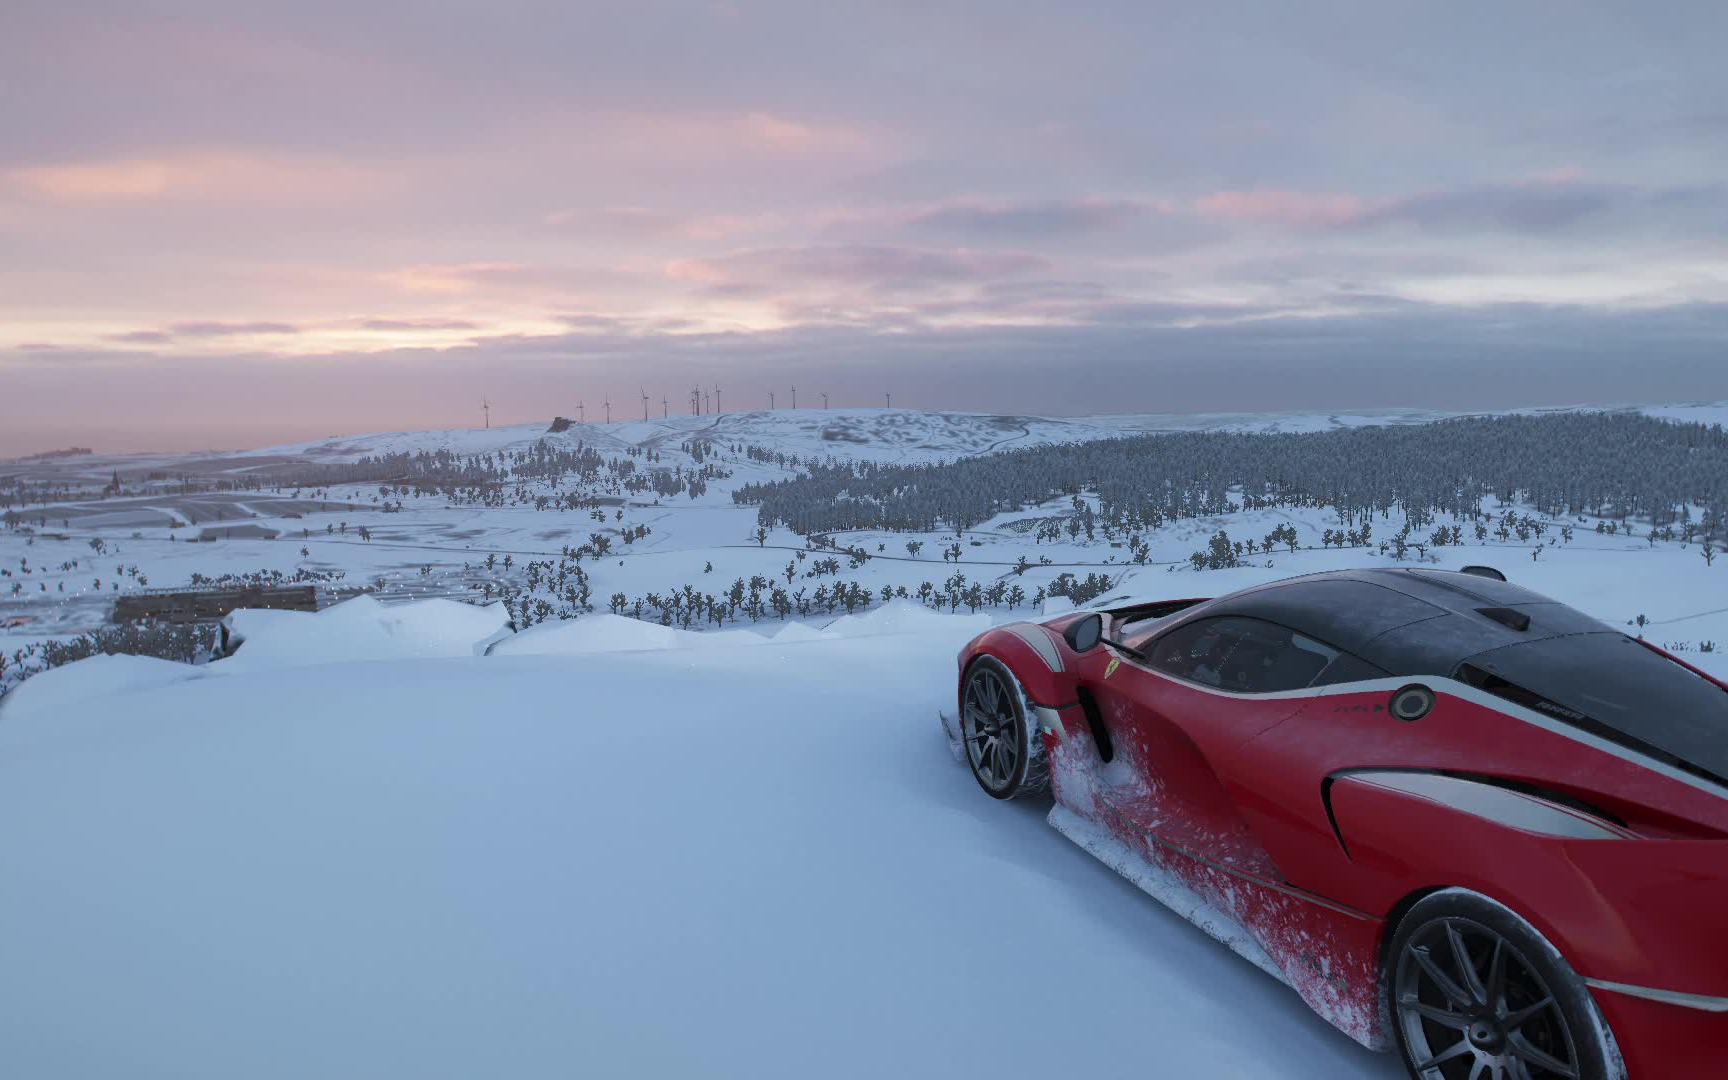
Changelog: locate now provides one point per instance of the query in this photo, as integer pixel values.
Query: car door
(1206, 687)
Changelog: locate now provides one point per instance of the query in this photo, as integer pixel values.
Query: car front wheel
(1003, 746)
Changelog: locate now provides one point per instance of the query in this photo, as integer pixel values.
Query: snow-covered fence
(209, 605)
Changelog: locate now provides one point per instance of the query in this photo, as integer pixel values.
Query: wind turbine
(696, 401)
(770, 401)
(608, 410)
(665, 407)
(794, 396)
(486, 407)
(889, 398)
(644, 392)
(580, 417)
(716, 397)
(824, 401)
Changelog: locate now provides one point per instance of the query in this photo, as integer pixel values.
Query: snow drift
(360, 629)
(714, 861)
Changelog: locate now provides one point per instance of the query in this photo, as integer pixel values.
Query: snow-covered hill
(66, 557)
(743, 859)
(895, 435)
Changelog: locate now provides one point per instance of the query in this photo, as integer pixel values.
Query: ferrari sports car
(1465, 822)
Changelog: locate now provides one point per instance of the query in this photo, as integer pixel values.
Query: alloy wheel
(990, 725)
(1471, 1007)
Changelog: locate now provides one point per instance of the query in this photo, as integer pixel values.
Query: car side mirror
(1083, 635)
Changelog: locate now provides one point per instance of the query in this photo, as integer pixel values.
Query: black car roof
(1408, 621)
(1512, 641)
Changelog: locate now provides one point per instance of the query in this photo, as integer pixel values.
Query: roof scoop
(1508, 617)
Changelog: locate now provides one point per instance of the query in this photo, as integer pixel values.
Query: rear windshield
(1612, 685)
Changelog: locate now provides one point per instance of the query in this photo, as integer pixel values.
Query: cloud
(1034, 218)
(774, 129)
(103, 180)
(1086, 187)
(583, 321)
(704, 142)
(639, 221)
(1548, 203)
(594, 326)
(231, 173)
(502, 277)
(230, 329)
(1532, 206)
(205, 330)
(879, 268)
(1297, 209)
(1169, 359)
(417, 324)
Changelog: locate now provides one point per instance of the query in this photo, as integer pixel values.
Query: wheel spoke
(1497, 976)
(1457, 1049)
(1455, 1021)
(1440, 979)
(1466, 966)
(1483, 1067)
(1525, 1052)
(994, 706)
(1514, 1021)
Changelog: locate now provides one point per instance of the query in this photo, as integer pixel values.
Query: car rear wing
(1156, 609)
(1693, 668)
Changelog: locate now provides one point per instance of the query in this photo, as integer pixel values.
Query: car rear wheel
(1003, 746)
(1476, 993)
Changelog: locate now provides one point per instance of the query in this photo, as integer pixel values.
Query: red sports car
(1463, 821)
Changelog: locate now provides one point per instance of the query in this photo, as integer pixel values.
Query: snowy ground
(722, 860)
(359, 849)
(431, 548)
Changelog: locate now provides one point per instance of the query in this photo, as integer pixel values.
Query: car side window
(1245, 656)
(1348, 668)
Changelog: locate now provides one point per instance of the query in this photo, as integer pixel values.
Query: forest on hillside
(1623, 466)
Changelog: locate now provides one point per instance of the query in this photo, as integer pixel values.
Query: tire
(1476, 993)
(1002, 746)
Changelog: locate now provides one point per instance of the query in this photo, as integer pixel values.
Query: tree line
(1617, 465)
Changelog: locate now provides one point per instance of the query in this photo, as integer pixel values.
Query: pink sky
(236, 223)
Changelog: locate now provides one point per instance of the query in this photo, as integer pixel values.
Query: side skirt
(1164, 887)
(1325, 953)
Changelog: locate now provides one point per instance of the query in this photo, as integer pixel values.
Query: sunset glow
(531, 203)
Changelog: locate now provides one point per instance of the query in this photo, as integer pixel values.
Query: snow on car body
(1428, 801)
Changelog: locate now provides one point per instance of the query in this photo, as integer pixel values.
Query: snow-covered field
(361, 848)
(56, 583)
(722, 858)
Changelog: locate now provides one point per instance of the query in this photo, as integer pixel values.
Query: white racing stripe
(1041, 642)
(1702, 1002)
(1513, 809)
(1452, 687)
